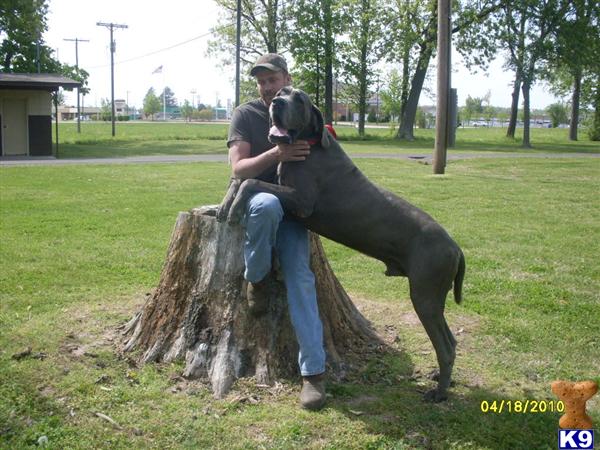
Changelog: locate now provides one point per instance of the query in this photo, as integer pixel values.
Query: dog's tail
(458, 279)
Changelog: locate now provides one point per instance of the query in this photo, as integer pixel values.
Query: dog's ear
(320, 127)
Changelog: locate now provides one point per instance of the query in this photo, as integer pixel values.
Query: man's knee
(265, 205)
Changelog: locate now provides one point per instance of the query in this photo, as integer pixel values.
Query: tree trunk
(514, 107)
(405, 79)
(363, 72)
(199, 312)
(526, 115)
(407, 121)
(575, 105)
(594, 131)
(329, 43)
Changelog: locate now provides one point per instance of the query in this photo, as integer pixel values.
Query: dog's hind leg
(429, 300)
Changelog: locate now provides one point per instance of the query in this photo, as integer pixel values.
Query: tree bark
(363, 71)
(407, 121)
(329, 43)
(526, 115)
(514, 107)
(199, 312)
(575, 105)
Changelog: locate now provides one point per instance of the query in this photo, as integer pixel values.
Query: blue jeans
(266, 228)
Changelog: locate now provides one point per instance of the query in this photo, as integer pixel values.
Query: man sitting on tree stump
(268, 228)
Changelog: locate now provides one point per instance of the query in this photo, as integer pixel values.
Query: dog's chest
(284, 173)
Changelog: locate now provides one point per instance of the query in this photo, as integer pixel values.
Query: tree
(594, 127)
(557, 113)
(392, 96)
(105, 109)
(263, 31)
(199, 313)
(187, 110)
(22, 50)
(22, 24)
(312, 45)
(526, 29)
(424, 119)
(416, 40)
(205, 114)
(473, 107)
(572, 57)
(152, 104)
(360, 51)
(169, 96)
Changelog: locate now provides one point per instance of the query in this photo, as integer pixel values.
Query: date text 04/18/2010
(522, 406)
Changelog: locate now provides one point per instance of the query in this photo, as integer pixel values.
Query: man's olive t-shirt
(250, 123)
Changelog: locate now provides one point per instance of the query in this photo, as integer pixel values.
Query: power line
(187, 41)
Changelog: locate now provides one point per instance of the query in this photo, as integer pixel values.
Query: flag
(157, 70)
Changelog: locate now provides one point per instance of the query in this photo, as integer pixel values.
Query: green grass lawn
(135, 139)
(82, 245)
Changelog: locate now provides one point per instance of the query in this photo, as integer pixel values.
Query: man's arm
(245, 166)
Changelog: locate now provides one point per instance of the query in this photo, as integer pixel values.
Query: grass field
(135, 139)
(82, 245)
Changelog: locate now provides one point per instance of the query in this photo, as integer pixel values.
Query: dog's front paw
(234, 217)
(236, 213)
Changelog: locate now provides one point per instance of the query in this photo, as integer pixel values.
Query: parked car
(480, 123)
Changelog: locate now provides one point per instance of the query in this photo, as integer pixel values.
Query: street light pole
(77, 41)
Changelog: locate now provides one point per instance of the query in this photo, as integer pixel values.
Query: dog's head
(294, 117)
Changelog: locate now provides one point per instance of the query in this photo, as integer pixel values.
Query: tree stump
(199, 312)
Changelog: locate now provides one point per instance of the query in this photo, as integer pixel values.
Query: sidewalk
(424, 157)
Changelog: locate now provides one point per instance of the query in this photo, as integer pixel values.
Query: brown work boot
(312, 395)
(258, 296)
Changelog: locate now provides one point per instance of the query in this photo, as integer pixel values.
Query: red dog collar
(329, 127)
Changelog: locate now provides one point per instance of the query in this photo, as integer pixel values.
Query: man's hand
(298, 151)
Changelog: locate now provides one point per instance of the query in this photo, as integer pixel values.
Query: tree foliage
(187, 110)
(22, 25)
(313, 48)
(526, 30)
(392, 95)
(572, 66)
(152, 104)
(558, 113)
(349, 39)
(168, 96)
(360, 51)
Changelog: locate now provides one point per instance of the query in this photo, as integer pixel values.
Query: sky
(155, 25)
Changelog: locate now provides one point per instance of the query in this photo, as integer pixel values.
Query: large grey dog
(328, 194)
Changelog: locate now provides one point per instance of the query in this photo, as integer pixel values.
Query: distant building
(121, 107)
(86, 113)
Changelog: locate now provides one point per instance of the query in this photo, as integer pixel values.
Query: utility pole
(237, 52)
(443, 87)
(111, 26)
(77, 41)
